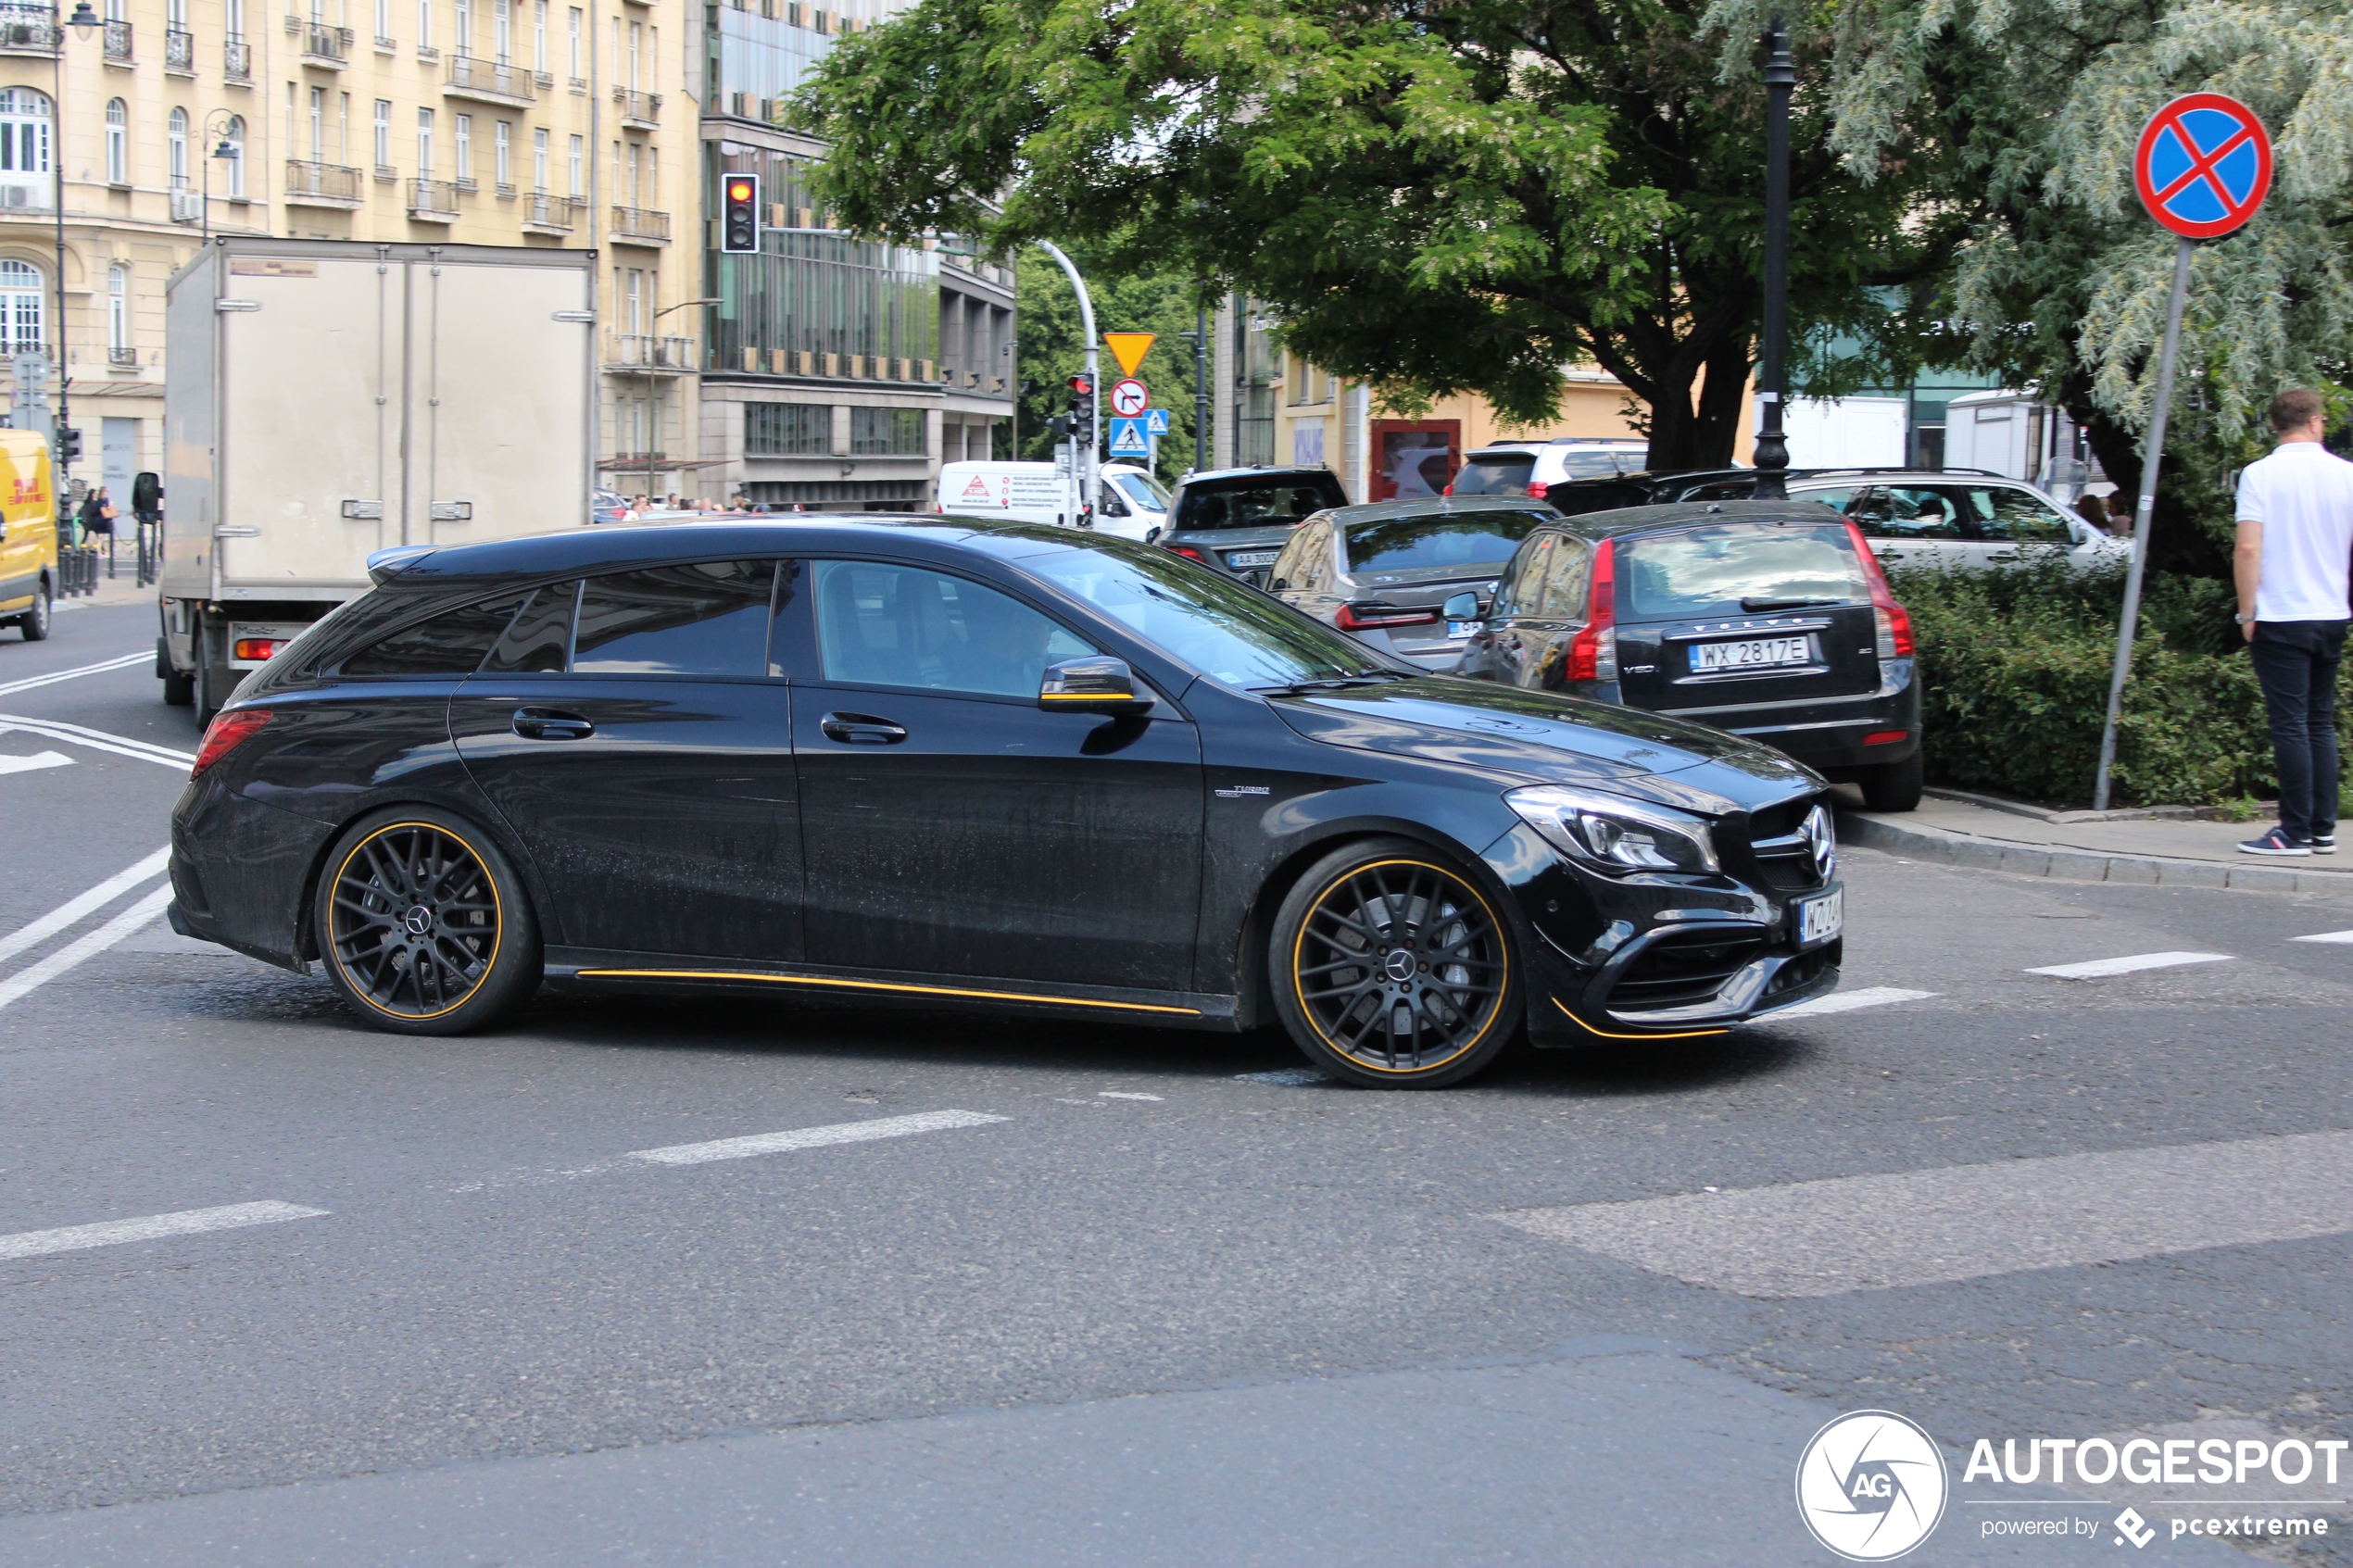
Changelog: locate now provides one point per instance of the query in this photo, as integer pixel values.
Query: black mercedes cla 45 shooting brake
(1010, 766)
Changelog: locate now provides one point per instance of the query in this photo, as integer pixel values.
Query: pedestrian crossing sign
(1128, 439)
(1155, 421)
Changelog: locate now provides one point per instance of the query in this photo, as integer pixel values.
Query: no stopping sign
(2204, 165)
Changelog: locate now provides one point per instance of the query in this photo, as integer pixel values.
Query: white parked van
(1133, 503)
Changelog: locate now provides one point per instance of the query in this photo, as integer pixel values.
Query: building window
(384, 20)
(424, 24)
(539, 159)
(21, 296)
(117, 143)
(632, 289)
(789, 429)
(539, 36)
(318, 125)
(24, 132)
(574, 42)
(636, 49)
(176, 146)
(425, 144)
(383, 132)
(502, 155)
(235, 137)
(118, 307)
(465, 139)
(887, 433)
(462, 41)
(502, 31)
(579, 168)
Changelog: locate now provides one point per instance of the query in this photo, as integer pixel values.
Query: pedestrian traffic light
(739, 214)
(68, 445)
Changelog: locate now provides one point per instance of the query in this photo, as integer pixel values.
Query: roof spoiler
(385, 565)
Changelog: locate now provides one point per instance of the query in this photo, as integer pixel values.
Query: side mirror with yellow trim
(1097, 684)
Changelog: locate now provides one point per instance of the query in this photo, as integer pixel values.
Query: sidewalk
(2154, 851)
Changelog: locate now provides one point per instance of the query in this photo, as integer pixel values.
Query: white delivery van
(1134, 504)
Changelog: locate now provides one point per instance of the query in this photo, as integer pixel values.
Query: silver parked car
(1957, 520)
(1381, 573)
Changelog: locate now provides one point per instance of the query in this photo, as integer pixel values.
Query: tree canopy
(1438, 200)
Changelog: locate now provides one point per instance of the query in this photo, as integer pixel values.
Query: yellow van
(28, 533)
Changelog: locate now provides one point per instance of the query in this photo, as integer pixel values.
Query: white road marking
(36, 762)
(72, 910)
(1290, 1077)
(82, 948)
(1114, 1093)
(2326, 936)
(1971, 1221)
(813, 1137)
(99, 740)
(1847, 1001)
(154, 1227)
(2098, 967)
(124, 662)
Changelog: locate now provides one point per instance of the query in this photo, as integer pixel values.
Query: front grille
(1782, 854)
(1788, 872)
(1681, 969)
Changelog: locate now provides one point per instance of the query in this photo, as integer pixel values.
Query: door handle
(537, 723)
(861, 729)
(1889, 555)
(2002, 555)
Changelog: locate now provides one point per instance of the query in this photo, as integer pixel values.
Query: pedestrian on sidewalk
(2294, 545)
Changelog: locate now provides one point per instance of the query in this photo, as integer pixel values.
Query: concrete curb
(1945, 847)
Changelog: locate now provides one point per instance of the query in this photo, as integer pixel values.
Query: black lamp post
(227, 152)
(1772, 376)
(82, 21)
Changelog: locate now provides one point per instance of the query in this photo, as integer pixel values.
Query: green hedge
(2014, 667)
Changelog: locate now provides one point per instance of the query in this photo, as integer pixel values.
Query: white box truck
(324, 399)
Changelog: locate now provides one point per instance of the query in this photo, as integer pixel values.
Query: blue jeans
(2295, 661)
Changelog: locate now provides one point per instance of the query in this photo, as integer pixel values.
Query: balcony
(122, 357)
(433, 201)
(639, 111)
(636, 226)
(650, 355)
(179, 52)
(187, 207)
(117, 52)
(544, 214)
(28, 30)
(488, 82)
(322, 184)
(327, 48)
(237, 60)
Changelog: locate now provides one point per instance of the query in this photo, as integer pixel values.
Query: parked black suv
(1237, 520)
(1769, 619)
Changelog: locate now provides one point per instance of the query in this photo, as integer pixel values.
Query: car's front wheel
(34, 623)
(424, 925)
(1391, 970)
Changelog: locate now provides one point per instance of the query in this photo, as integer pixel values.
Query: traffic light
(68, 445)
(1082, 394)
(1059, 428)
(739, 214)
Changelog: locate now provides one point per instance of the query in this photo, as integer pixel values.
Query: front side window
(451, 643)
(1144, 490)
(884, 625)
(1908, 511)
(1737, 569)
(707, 618)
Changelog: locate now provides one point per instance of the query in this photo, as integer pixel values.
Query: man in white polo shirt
(2295, 544)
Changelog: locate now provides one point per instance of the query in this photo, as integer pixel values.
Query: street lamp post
(227, 151)
(1772, 377)
(84, 21)
(1089, 472)
(655, 320)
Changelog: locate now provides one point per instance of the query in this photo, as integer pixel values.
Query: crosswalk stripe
(2326, 936)
(82, 948)
(152, 1227)
(2095, 968)
(1847, 1001)
(123, 661)
(75, 909)
(812, 1137)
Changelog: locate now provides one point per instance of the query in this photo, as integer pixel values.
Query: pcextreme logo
(1871, 1485)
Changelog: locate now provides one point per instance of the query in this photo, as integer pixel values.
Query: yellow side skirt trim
(1606, 1034)
(874, 986)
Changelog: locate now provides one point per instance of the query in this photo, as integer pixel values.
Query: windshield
(1495, 473)
(1142, 490)
(1229, 632)
(1710, 571)
(1479, 542)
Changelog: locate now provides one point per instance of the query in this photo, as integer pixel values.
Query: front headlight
(1614, 835)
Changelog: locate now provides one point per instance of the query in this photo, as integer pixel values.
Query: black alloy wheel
(1391, 969)
(424, 927)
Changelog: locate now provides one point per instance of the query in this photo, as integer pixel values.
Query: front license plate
(1819, 920)
(1462, 627)
(1252, 558)
(1757, 653)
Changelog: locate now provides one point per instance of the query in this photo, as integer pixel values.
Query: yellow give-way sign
(1129, 348)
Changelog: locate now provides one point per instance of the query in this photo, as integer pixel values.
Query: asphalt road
(1154, 1300)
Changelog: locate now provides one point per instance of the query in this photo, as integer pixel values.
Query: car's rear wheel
(424, 925)
(1894, 787)
(1393, 969)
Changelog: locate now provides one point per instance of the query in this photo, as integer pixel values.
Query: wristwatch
(2241, 619)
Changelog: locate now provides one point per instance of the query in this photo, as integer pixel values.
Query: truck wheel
(34, 623)
(204, 679)
(1895, 787)
(179, 689)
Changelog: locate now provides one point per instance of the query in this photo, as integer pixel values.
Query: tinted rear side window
(1504, 475)
(1711, 570)
(537, 640)
(452, 642)
(1481, 542)
(709, 618)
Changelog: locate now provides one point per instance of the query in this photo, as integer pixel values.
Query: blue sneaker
(2275, 842)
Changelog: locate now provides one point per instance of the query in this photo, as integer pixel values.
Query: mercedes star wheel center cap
(418, 921)
(1401, 966)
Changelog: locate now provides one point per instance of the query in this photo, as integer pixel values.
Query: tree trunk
(1683, 437)
(2176, 542)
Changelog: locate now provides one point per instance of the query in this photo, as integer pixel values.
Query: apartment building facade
(536, 123)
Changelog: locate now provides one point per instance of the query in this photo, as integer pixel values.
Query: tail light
(227, 731)
(1592, 653)
(1450, 488)
(262, 649)
(1188, 552)
(1537, 490)
(1367, 617)
(1893, 626)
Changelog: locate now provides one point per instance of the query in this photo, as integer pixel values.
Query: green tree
(1437, 199)
(1050, 349)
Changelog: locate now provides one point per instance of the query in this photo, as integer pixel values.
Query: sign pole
(2153, 454)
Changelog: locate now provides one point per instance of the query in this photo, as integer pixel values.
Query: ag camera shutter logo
(1871, 1485)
